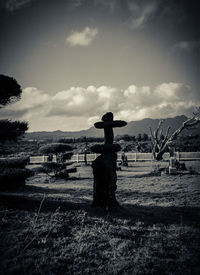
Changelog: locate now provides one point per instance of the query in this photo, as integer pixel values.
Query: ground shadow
(47, 190)
(146, 214)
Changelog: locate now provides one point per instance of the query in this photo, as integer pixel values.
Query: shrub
(58, 169)
(13, 177)
(54, 148)
(52, 167)
(14, 162)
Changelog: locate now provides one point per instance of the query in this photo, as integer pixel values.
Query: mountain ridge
(132, 128)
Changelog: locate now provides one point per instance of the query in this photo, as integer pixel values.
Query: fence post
(178, 156)
(77, 158)
(135, 156)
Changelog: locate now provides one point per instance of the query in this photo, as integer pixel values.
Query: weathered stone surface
(105, 178)
(105, 165)
(107, 124)
(107, 117)
(105, 148)
(108, 129)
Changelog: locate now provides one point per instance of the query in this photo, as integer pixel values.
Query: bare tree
(162, 142)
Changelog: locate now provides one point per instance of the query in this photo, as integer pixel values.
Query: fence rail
(40, 159)
(131, 157)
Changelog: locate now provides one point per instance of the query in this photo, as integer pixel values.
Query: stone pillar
(172, 166)
(105, 165)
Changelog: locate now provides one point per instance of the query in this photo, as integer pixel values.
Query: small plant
(39, 234)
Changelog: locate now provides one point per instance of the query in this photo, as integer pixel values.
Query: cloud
(186, 46)
(33, 103)
(13, 5)
(141, 12)
(78, 108)
(110, 5)
(83, 38)
(76, 3)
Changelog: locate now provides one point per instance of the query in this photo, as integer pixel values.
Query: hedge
(14, 162)
(13, 177)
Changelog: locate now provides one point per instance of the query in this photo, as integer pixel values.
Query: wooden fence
(40, 159)
(131, 157)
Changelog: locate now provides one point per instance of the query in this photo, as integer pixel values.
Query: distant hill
(132, 128)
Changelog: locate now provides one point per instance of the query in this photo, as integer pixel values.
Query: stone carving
(105, 165)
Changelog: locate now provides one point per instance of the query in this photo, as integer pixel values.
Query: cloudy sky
(77, 59)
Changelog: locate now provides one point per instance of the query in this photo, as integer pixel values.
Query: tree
(13, 172)
(10, 92)
(12, 130)
(145, 137)
(139, 137)
(63, 153)
(162, 143)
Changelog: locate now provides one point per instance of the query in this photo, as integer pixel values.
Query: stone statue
(104, 166)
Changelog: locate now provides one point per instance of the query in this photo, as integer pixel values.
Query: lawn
(48, 227)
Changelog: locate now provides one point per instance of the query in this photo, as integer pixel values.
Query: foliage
(53, 167)
(19, 147)
(4, 150)
(13, 172)
(11, 130)
(13, 177)
(140, 137)
(125, 138)
(54, 148)
(10, 90)
(67, 156)
(57, 170)
(82, 139)
(14, 162)
(66, 140)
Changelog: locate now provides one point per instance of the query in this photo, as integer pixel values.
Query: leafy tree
(125, 137)
(66, 140)
(139, 137)
(145, 137)
(11, 130)
(12, 171)
(55, 148)
(10, 92)
(62, 152)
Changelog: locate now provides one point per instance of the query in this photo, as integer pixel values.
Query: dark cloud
(13, 5)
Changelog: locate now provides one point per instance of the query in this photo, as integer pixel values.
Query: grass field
(49, 227)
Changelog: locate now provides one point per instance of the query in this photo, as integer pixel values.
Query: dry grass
(78, 243)
(157, 232)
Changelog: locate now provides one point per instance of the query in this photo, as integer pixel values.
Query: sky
(78, 59)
